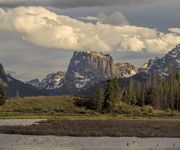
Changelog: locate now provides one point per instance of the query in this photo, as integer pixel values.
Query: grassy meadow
(73, 116)
(71, 107)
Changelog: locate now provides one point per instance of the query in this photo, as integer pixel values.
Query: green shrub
(123, 108)
(56, 104)
(87, 103)
(147, 109)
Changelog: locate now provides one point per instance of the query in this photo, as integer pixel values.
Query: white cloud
(116, 18)
(45, 28)
(175, 30)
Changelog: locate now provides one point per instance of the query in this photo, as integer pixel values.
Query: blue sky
(30, 58)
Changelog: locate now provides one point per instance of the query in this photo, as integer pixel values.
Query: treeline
(157, 92)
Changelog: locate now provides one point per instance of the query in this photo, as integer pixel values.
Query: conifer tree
(112, 95)
(99, 99)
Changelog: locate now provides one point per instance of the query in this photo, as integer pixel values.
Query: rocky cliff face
(88, 68)
(3, 77)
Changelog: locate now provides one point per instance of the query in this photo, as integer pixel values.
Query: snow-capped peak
(34, 82)
(50, 82)
(171, 59)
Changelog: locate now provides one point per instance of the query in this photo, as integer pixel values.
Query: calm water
(20, 142)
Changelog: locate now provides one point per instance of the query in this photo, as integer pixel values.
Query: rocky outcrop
(88, 68)
(3, 77)
(124, 70)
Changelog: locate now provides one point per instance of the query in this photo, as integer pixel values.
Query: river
(26, 142)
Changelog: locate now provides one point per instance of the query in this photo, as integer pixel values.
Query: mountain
(125, 70)
(143, 68)
(15, 87)
(50, 82)
(34, 82)
(159, 65)
(87, 68)
(3, 77)
(163, 64)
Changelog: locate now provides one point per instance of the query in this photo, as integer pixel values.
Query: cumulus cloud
(175, 30)
(71, 3)
(45, 28)
(116, 18)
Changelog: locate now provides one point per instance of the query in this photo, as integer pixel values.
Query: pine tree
(140, 94)
(117, 94)
(99, 99)
(177, 92)
(112, 95)
(108, 96)
(132, 93)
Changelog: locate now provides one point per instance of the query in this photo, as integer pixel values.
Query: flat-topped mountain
(88, 68)
(84, 70)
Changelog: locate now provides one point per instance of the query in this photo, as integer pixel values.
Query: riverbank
(98, 128)
(17, 142)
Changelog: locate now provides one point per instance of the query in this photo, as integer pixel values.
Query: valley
(98, 93)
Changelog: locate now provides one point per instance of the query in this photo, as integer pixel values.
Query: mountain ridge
(87, 69)
(163, 64)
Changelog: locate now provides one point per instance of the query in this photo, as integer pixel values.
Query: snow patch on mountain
(50, 82)
(163, 64)
(34, 82)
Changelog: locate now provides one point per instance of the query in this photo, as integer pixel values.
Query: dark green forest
(160, 93)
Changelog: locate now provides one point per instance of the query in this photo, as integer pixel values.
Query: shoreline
(16, 142)
(93, 128)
